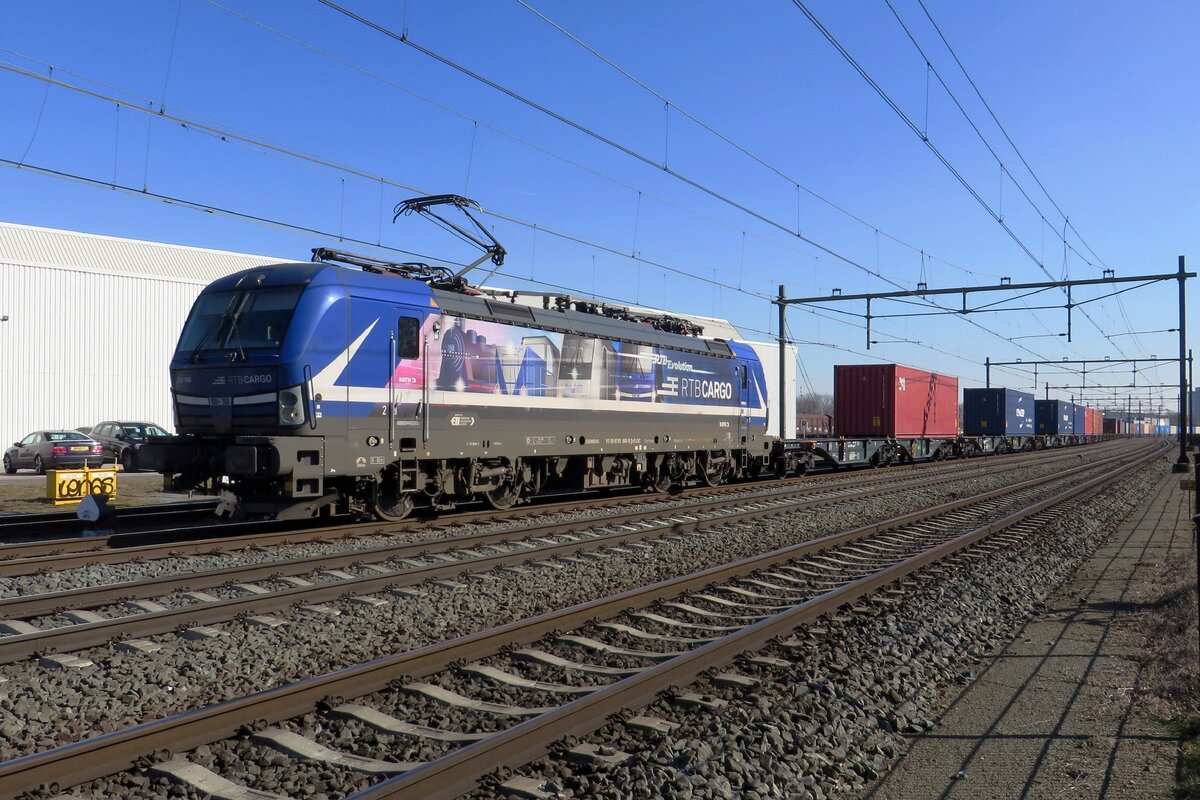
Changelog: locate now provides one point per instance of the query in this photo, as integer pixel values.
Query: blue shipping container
(1080, 412)
(997, 412)
(1053, 417)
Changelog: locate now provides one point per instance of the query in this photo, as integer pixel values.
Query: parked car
(45, 450)
(122, 440)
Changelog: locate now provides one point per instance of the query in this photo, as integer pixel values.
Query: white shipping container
(768, 354)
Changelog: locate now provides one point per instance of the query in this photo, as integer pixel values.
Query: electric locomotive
(354, 385)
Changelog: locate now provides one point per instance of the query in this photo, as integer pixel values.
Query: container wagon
(997, 420)
(1054, 418)
(882, 414)
(894, 401)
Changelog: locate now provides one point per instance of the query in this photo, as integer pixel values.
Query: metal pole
(1181, 463)
(987, 365)
(1196, 536)
(783, 363)
(868, 323)
(1070, 306)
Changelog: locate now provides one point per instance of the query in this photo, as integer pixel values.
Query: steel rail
(103, 755)
(273, 532)
(67, 638)
(461, 771)
(31, 530)
(8, 521)
(82, 552)
(25, 606)
(35, 564)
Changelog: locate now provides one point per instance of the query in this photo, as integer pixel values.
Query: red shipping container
(893, 400)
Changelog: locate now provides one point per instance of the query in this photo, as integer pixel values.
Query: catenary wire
(741, 148)
(225, 134)
(1066, 219)
(403, 38)
(941, 157)
(996, 156)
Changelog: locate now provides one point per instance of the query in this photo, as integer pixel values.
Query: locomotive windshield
(232, 322)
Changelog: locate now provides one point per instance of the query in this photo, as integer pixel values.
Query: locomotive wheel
(503, 496)
(660, 483)
(710, 475)
(387, 501)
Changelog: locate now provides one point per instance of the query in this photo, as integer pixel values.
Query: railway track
(51, 526)
(133, 611)
(702, 621)
(23, 559)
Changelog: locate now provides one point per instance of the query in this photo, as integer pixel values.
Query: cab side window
(410, 338)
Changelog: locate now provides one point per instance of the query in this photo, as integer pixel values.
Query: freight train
(353, 385)
(892, 414)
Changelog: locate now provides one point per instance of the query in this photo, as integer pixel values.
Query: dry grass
(28, 495)
(1171, 677)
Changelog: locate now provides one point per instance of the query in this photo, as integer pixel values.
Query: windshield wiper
(228, 323)
(236, 335)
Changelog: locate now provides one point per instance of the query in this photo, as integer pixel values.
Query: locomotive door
(407, 383)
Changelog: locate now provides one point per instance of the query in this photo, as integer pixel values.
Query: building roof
(28, 245)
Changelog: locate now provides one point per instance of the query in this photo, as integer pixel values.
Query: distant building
(91, 324)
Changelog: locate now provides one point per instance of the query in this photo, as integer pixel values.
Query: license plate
(82, 449)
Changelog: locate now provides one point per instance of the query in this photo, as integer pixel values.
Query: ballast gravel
(46, 708)
(832, 721)
(101, 574)
(824, 726)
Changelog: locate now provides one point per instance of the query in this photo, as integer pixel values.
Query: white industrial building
(90, 324)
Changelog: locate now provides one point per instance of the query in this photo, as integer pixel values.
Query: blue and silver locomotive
(353, 385)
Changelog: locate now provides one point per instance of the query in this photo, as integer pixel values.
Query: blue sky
(1101, 100)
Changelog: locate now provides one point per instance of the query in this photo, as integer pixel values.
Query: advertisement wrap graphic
(491, 358)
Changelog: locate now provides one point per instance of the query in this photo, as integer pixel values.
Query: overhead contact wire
(731, 142)
(403, 38)
(999, 217)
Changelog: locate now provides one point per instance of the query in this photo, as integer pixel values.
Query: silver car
(43, 450)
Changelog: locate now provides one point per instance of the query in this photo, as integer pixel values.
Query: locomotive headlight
(291, 406)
